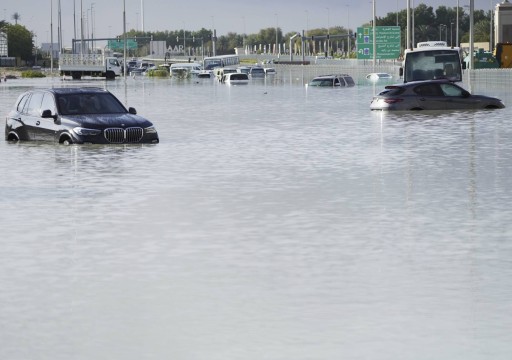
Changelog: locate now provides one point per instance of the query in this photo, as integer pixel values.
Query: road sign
(119, 44)
(387, 38)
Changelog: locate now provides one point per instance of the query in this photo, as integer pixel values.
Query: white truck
(96, 65)
(432, 60)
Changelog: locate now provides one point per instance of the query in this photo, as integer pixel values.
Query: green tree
(19, 41)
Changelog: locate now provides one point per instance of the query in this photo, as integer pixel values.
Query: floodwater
(271, 222)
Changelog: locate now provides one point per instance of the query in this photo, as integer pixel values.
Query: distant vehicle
(243, 69)
(205, 74)
(182, 70)
(235, 79)
(503, 55)
(432, 60)
(482, 60)
(431, 95)
(142, 67)
(76, 116)
(270, 71)
(256, 72)
(212, 62)
(374, 77)
(131, 65)
(221, 71)
(95, 65)
(340, 80)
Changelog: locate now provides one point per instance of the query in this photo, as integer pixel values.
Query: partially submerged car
(380, 76)
(431, 95)
(76, 116)
(235, 79)
(334, 80)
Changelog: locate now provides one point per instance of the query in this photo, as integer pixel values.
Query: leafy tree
(19, 41)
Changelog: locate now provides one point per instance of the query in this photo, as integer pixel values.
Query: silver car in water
(431, 95)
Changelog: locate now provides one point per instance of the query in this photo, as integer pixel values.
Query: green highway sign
(387, 42)
(119, 44)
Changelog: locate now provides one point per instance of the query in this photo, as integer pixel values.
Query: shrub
(158, 73)
(32, 74)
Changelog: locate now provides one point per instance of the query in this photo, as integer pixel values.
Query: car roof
(331, 76)
(80, 90)
(414, 83)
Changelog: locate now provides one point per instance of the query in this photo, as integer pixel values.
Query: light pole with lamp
(328, 34)
(307, 29)
(277, 43)
(348, 31)
(451, 34)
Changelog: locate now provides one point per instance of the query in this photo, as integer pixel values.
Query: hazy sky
(242, 16)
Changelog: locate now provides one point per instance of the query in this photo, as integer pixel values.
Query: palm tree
(16, 16)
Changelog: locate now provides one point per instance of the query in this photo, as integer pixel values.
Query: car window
(34, 104)
(349, 81)
(48, 103)
(22, 103)
(451, 90)
(428, 90)
(337, 82)
(393, 91)
(89, 103)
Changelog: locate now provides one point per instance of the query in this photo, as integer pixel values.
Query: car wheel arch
(65, 139)
(12, 136)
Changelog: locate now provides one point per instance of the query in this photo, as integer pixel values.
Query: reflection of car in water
(341, 80)
(431, 95)
(76, 116)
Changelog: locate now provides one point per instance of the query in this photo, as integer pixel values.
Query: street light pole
(457, 26)
(451, 34)
(328, 34)
(348, 31)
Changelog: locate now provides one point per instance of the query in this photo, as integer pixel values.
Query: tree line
(429, 24)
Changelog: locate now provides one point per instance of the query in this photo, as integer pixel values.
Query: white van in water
(182, 70)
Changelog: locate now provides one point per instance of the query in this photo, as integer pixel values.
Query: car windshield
(89, 103)
(321, 82)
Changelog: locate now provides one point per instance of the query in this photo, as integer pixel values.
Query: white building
(503, 22)
(3, 44)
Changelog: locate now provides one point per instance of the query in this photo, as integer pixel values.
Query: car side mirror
(132, 111)
(401, 72)
(466, 94)
(47, 114)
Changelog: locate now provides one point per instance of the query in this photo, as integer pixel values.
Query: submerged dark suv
(76, 116)
(335, 80)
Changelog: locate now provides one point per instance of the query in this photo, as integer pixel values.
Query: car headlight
(86, 132)
(150, 130)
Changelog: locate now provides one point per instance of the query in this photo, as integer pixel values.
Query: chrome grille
(128, 135)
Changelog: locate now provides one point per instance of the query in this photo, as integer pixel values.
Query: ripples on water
(270, 222)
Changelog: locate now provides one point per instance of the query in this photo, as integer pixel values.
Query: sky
(104, 19)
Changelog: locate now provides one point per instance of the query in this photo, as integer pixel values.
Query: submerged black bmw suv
(76, 116)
